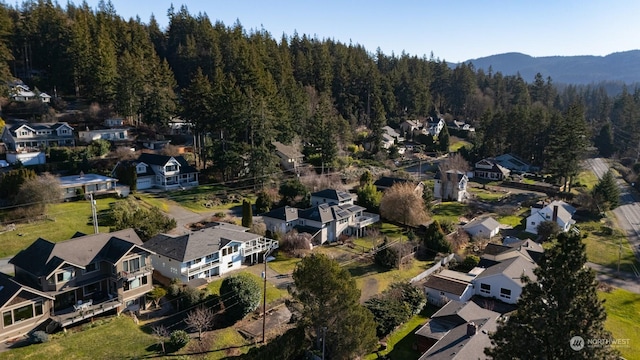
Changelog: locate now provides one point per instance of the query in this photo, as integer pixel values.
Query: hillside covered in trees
(246, 88)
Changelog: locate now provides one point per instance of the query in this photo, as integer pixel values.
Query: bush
(294, 241)
(39, 337)
(241, 295)
(178, 339)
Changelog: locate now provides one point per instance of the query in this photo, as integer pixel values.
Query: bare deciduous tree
(161, 334)
(401, 203)
(200, 319)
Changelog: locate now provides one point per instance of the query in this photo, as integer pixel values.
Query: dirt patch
(369, 290)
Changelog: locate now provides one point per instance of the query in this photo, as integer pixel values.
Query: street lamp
(264, 293)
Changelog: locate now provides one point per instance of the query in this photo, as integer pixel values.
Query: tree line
(243, 89)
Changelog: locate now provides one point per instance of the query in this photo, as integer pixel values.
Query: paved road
(627, 214)
(621, 280)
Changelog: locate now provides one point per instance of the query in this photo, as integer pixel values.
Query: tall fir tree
(554, 308)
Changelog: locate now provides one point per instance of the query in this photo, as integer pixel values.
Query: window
(132, 265)
(65, 275)
(90, 289)
(212, 257)
(135, 283)
(91, 268)
(230, 264)
(485, 288)
(6, 316)
(23, 313)
(38, 308)
(505, 293)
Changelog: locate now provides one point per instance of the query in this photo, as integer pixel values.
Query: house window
(38, 308)
(230, 264)
(505, 293)
(65, 275)
(485, 288)
(90, 289)
(23, 313)
(132, 265)
(90, 268)
(7, 319)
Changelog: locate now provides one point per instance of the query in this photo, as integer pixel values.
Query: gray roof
(332, 194)
(9, 288)
(286, 213)
(451, 174)
(449, 327)
(196, 244)
(42, 257)
(321, 213)
(452, 286)
(487, 222)
(83, 179)
(512, 268)
(287, 150)
(161, 160)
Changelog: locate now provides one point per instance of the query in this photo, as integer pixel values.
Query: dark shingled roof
(387, 182)
(196, 244)
(495, 249)
(161, 160)
(332, 194)
(9, 288)
(286, 213)
(451, 174)
(43, 257)
(321, 213)
(451, 286)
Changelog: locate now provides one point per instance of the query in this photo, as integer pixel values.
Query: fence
(444, 261)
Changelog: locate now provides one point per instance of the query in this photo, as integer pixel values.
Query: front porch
(75, 314)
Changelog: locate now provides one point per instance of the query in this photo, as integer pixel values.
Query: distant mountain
(616, 67)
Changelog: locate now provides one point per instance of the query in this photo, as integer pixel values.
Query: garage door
(144, 184)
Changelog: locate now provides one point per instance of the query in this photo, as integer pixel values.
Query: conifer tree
(560, 304)
(606, 193)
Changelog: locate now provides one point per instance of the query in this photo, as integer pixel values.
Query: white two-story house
(161, 171)
(207, 252)
(452, 185)
(557, 211)
(24, 137)
(331, 215)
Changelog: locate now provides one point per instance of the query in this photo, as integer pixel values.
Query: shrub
(178, 339)
(241, 295)
(39, 337)
(293, 241)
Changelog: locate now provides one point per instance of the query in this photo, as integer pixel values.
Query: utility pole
(94, 214)
(264, 294)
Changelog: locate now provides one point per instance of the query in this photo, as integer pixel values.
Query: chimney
(555, 213)
(471, 329)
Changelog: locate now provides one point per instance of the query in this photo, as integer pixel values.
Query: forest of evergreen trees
(246, 88)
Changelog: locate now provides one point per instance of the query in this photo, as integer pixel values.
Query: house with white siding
(557, 211)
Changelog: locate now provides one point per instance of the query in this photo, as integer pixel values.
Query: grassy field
(207, 198)
(604, 247)
(273, 293)
(400, 342)
(457, 145)
(156, 200)
(226, 343)
(449, 211)
(485, 195)
(283, 264)
(64, 220)
(586, 179)
(118, 338)
(623, 317)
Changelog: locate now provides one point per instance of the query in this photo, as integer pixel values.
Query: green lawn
(604, 249)
(458, 145)
(118, 338)
(623, 317)
(514, 221)
(372, 279)
(207, 198)
(449, 211)
(485, 195)
(156, 200)
(64, 220)
(283, 264)
(273, 293)
(400, 342)
(227, 342)
(587, 179)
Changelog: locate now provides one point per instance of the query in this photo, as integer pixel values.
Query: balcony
(72, 315)
(130, 275)
(262, 245)
(197, 269)
(365, 219)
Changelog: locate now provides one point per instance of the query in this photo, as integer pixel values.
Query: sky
(454, 31)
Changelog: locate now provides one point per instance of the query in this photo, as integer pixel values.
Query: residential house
(77, 279)
(161, 171)
(22, 136)
(490, 170)
(81, 184)
(485, 228)
(557, 211)
(503, 280)
(179, 126)
(155, 145)
(331, 197)
(208, 252)
(22, 93)
(449, 285)
(410, 126)
(44, 97)
(459, 330)
(450, 186)
(390, 137)
(114, 122)
(515, 163)
(113, 135)
(26, 157)
(23, 308)
(331, 215)
(434, 126)
(386, 182)
(460, 126)
(290, 157)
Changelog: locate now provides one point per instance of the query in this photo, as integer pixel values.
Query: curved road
(627, 214)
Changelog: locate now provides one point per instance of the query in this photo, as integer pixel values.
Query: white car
(3, 163)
